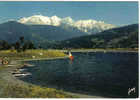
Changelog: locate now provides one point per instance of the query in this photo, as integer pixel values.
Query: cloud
(90, 26)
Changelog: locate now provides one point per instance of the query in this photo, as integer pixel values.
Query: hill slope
(123, 37)
(48, 36)
(12, 30)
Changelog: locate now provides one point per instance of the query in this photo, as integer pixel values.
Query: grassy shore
(31, 54)
(12, 87)
(29, 91)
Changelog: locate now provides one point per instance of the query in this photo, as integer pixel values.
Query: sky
(117, 13)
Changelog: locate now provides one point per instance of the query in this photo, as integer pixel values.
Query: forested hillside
(123, 37)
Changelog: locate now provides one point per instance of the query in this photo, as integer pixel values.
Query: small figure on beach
(4, 61)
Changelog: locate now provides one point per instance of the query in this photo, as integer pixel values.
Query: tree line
(19, 45)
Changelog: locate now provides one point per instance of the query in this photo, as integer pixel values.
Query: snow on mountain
(89, 26)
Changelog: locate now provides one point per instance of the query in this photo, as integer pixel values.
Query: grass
(31, 91)
(3, 67)
(31, 54)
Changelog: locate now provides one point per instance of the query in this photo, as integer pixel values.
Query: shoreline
(101, 50)
(43, 59)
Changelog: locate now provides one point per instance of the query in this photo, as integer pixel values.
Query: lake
(108, 74)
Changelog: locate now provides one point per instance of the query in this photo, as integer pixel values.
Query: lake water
(95, 73)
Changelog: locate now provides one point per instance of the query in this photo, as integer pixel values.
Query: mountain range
(41, 29)
(53, 36)
(88, 26)
(12, 30)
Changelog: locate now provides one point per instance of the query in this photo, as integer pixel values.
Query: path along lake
(109, 74)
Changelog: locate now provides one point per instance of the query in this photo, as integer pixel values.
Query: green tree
(28, 45)
(17, 46)
(21, 39)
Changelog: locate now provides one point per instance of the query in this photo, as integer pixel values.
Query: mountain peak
(89, 26)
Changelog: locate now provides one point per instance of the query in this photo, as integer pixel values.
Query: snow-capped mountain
(89, 26)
